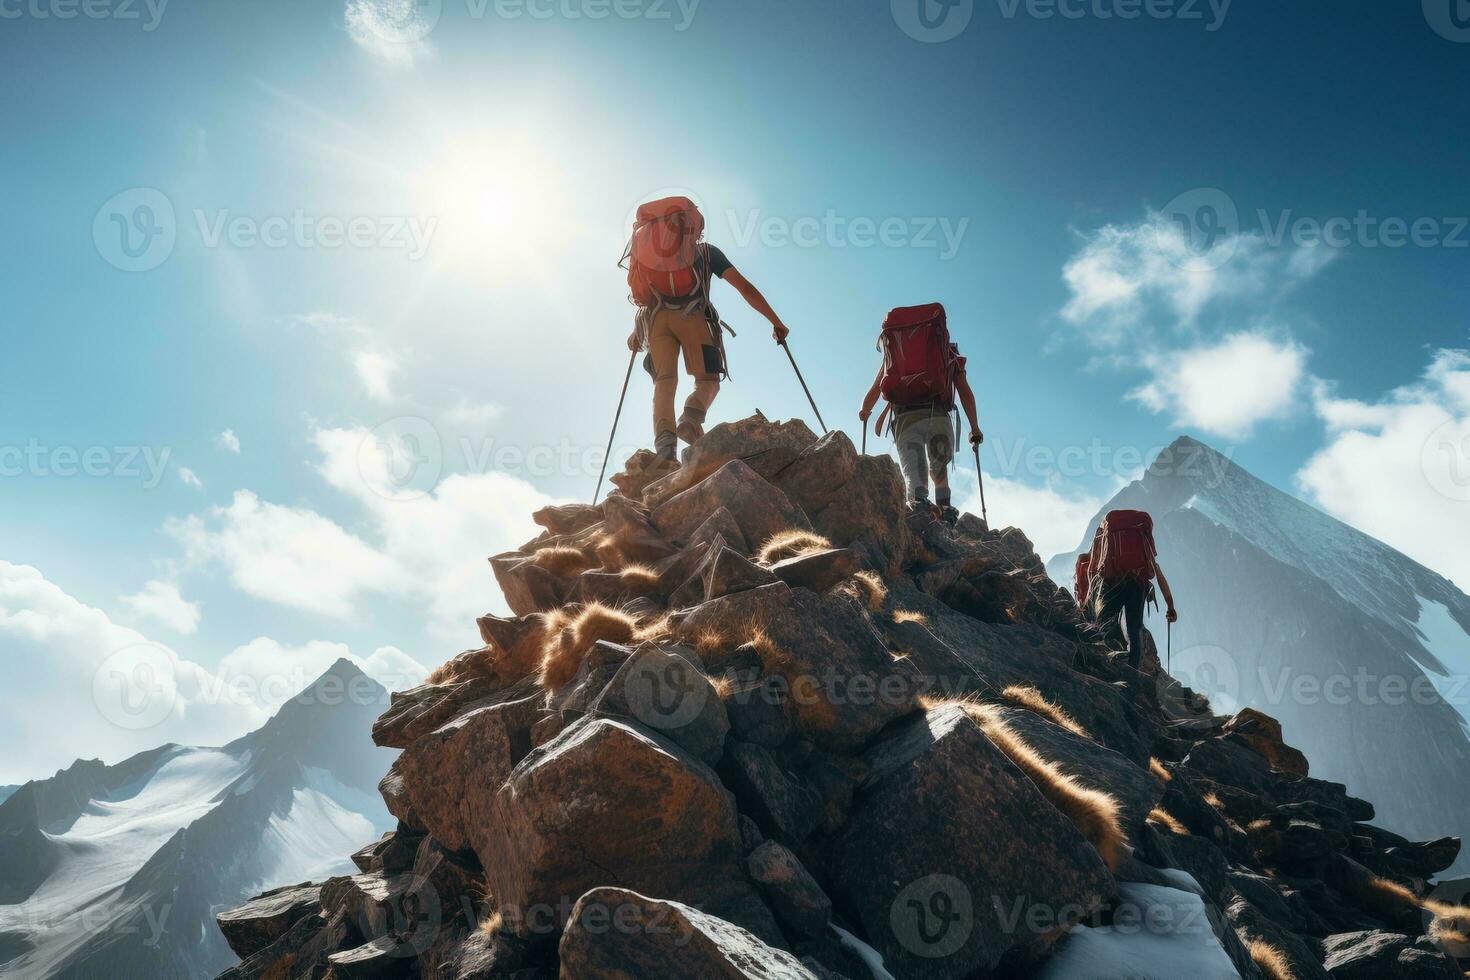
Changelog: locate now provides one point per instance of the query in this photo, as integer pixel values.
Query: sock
(666, 444)
(942, 499)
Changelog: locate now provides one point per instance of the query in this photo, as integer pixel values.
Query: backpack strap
(887, 407)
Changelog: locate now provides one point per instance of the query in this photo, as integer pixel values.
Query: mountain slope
(118, 870)
(1360, 652)
(750, 719)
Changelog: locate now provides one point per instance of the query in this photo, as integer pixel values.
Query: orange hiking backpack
(1124, 547)
(1082, 579)
(663, 255)
(919, 362)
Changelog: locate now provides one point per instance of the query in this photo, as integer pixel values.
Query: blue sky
(1029, 171)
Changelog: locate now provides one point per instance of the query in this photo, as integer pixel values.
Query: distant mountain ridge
(1361, 652)
(117, 870)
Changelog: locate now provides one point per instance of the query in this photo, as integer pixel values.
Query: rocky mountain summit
(751, 721)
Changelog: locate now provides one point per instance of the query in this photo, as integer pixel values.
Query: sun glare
(498, 207)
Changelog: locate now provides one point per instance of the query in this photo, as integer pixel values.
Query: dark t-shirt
(718, 264)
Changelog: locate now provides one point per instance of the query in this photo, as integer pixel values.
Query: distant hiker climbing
(921, 378)
(670, 272)
(1115, 579)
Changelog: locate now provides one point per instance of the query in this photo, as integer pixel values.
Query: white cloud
(276, 671)
(1399, 469)
(190, 478)
(375, 370)
(68, 663)
(164, 604)
(288, 555)
(473, 413)
(393, 31)
(1054, 520)
(228, 441)
(430, 547)
(1226, 388)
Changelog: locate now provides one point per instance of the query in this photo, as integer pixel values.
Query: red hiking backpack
(919, 362)
(1124, 547)
(1082, 579)
(663, 254)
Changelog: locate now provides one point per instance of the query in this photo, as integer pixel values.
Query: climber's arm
(757, 302)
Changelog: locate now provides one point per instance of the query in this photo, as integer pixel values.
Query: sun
(498, 205)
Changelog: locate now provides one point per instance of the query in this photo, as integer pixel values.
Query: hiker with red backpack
(921, 378)
(1116, 578)
(670, 271)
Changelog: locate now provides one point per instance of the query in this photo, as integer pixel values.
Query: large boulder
(618, 934)
(843, 683)
(665, 692)
(263, 920)
(766, 447)
(528, 588)
(856, 501)
(609, 801)
(453, 773)
(953, 860)
(415, 713)
(1371, 955)
(801, 906)
(759, 509)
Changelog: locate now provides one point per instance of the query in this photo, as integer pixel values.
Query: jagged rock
(759, 509)
(780, 804)
(380, 959)
(860, 515)
(1385, 956)
(528, 588)
(955, 803)
(258, 923)
(391, 853)
(766, 447)
(1253, 922)
(643, 468)
(550, 837)
(757, 705)
(395, 795)
(1262, 734)
(818, 571)
(801, 906)
(415, 713)
(633, 531)
(1095, 766)
(818, 476)
(663, 690)
(843, 683)
(615, 933)
(452, 774)
(726, 571)
(567, 518)
(721, 524)
(300, 953)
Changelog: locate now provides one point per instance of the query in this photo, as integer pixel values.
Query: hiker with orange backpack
(922, 377)
(1121, 570)
(670, 271)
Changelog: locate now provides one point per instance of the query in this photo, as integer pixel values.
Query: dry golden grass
(1025, 696)
(871, 589)
(491, 923)
(563, 650)
(1271, 960)
(655, 630)
(561, 561)
(1213, 800)
(1157, 768)
(1094, 813)
(609, 553)
(1160, 817)
(791, 544)
(901, 616)
(709, 642)
(640, 578)
(1395, 892)
(724, 687)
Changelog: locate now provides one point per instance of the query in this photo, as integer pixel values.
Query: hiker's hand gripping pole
(787, 348)
(614, 434)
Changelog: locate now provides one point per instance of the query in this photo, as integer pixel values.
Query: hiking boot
(949, 515)
(690, 431)
(921, 508)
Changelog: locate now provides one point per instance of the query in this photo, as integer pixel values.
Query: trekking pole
(981, 474)
(614, 434)
(787, 348)
(1169, 631)
(865, 435)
